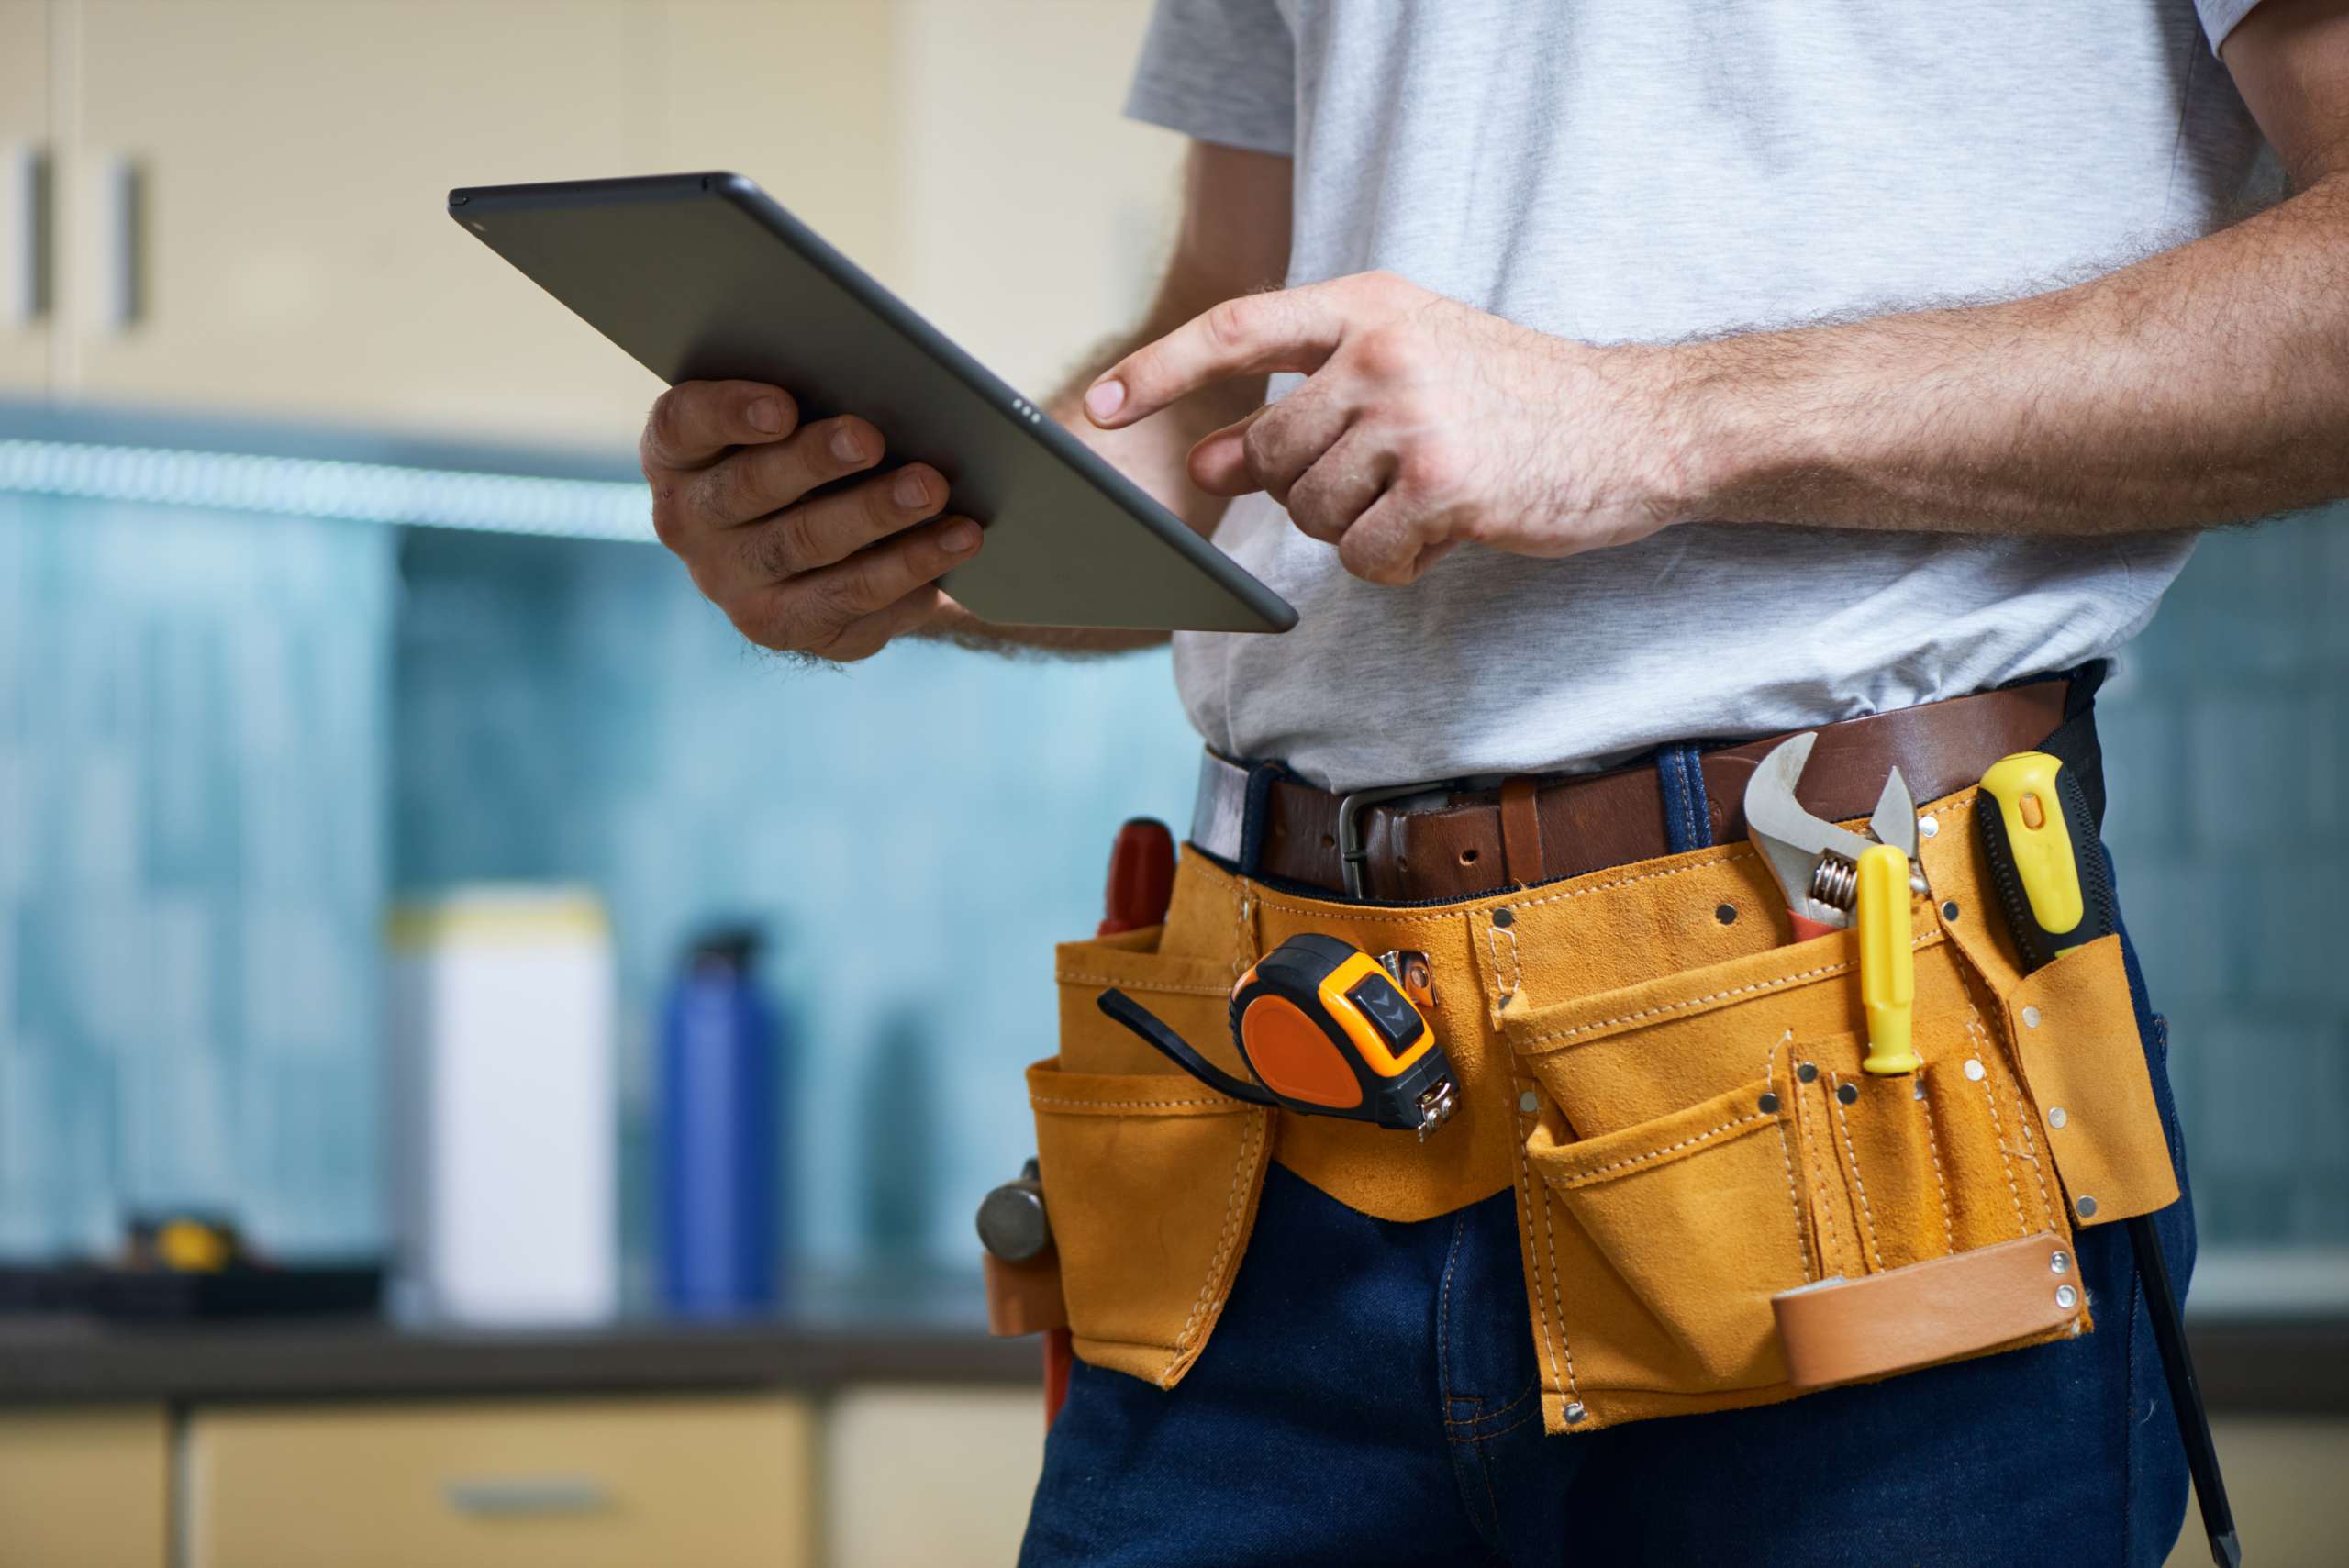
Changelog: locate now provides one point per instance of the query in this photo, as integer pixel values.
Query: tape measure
(1325, 1030)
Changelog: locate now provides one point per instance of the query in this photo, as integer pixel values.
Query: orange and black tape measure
(1326, 1031)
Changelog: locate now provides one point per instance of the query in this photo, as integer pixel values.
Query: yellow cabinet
(1037, 215)
(250, 215)
(26, 148)
(254, 215)
(803, 97)
(88, 1487)
(580, 1483)
(940, 1477)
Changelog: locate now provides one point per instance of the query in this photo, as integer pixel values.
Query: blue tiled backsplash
(225, 740)
(193, 709)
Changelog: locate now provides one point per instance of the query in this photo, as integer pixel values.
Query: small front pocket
(1151, 1181)
(1191, 995)
(1700, 1220)
(1618, 1058)
(2074, 1032)
(1709, 1140)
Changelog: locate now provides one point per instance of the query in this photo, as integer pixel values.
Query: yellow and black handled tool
(2046, 867)
(1327, 1030)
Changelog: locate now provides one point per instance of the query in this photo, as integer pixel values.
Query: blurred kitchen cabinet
(88, 1487)
(1037, 213)
(803, 96)
(254, 215)
(25, 149)
(249, 195)
(971, 1456)
(711, 1481)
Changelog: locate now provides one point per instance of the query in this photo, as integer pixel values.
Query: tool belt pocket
(1152, 1178)
(1722, 1207)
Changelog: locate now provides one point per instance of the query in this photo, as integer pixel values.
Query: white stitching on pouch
(1247, 1144)
(1071, 977)
(1787, 1153)
(1998, 1125)
(1136, 1105)
(1868, 1215)
(1579, 1176)
(1933, 1147)
(1928, 937)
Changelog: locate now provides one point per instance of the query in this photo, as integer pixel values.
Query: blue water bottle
(720, 1245)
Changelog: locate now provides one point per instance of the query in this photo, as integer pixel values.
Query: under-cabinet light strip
(313, 487)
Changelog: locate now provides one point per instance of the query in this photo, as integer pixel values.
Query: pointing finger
(1289, 329)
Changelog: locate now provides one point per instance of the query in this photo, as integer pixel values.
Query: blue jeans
(1369, 1396)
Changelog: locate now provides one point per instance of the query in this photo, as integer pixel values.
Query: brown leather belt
(1424, 843)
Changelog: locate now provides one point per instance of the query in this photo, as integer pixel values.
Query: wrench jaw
(1794, 842)
(1894, 820)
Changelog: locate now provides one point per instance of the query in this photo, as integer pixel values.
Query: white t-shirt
(1639, 170)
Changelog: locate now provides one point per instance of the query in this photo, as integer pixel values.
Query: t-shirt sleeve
(1222, 71)
(2220, 16)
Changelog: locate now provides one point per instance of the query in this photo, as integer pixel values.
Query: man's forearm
(2205, 384)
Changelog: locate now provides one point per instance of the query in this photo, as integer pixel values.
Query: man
(1779, 366)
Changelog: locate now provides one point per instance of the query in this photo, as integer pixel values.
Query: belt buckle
(1350, 852)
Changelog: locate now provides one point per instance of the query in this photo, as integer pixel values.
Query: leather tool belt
(1717, 1207)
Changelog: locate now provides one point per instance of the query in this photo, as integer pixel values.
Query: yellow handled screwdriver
(1887, 960)
(2047, 867)
(2039, 839)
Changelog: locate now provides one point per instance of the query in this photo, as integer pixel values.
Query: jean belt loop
(1254, 815)
(1687, 816)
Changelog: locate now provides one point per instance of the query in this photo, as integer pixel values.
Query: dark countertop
(875, 1325)
(64, 1359)
(2283, 1367)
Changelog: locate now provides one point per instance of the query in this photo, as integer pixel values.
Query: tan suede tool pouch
(1152, 1177)
(1720, 1207)
(1717, 1205)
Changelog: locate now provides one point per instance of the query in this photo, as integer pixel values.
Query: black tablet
(704, 277)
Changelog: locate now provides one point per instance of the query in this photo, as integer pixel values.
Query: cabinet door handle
(526, 1497)
(121, 200)
(29, 222)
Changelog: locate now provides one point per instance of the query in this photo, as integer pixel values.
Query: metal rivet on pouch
(2067, 1297)
(1949, 909)
(2087, 1206)
(1504, 917)
(1726, 913)
(1848, 1092)
(2059, 1263)
(1575, 1413)
(1917, 1090)
(1972, 1070)
(1927, 827)
(1528, 1102)
(1768, 1104)
(2031, 1017)
(2055, 1116)
(1807, 1072)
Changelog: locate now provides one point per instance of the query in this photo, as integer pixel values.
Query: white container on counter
(504, 1121)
